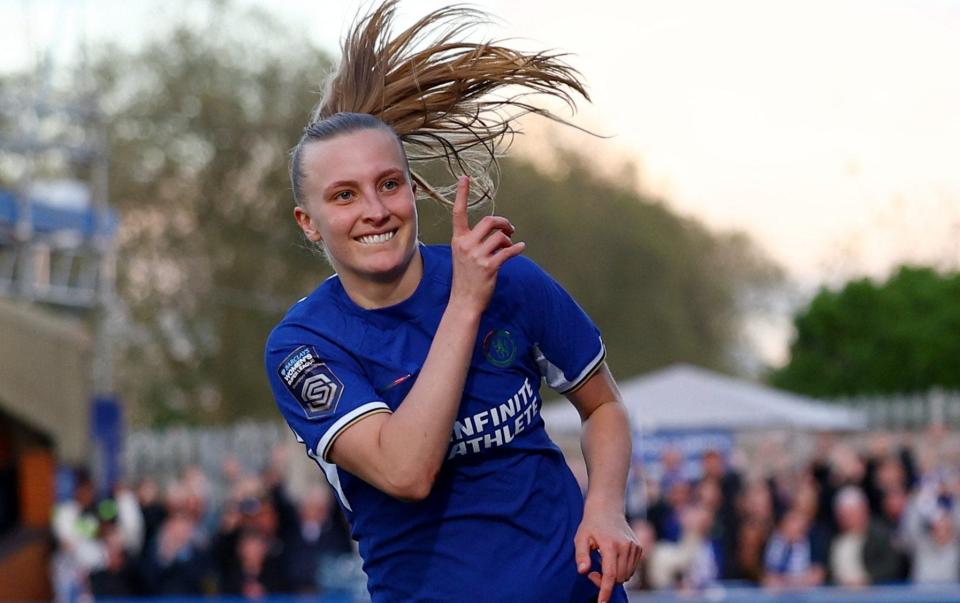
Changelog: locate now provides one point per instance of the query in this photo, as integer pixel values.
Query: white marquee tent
(687, 397)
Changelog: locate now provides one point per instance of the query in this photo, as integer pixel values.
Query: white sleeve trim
(323, 446)
(329, 470)
(555, 377)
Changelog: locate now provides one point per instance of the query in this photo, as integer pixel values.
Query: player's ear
(306, 224)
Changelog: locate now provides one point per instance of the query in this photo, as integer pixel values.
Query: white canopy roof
(687, 397)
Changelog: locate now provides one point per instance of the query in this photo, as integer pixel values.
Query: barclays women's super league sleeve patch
(311, 382)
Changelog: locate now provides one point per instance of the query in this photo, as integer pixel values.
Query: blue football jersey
(499, 522)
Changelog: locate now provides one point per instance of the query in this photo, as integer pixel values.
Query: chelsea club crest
(499, 348)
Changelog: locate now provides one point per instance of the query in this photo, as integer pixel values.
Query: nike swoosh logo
(397, 381)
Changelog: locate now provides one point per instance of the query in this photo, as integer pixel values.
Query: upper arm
(326, 398)
(320, 390)
(358, 450)
(597, 390)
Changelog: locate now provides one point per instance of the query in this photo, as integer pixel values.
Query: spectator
(665, 513)
(319, 533)
(754, 526)
(242, 503)
(715, 467)
(250, 515)
(76, 524)
(885, 471)
(118, 577)
(752, 536)
(862, 552)
(893, 514)
(179, 563)
(638, 495)
(671, 465)
(195, 502)
(790, 559)
(933, 536)
(151, 508)
(255, 573)
(806, 500)
(726, 486)
(690, 564)
(647, 538)
(893, 508)
(122, 515)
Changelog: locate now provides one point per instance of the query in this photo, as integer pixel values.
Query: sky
(827, 130)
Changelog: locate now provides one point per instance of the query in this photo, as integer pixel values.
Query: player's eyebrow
(389, 172)
(340, 183)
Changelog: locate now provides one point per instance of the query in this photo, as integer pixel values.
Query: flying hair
(446, 99)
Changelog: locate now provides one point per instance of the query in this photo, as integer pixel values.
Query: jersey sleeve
(568, 348)
(319, 388)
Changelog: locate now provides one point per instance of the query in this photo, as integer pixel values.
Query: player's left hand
(620, 552)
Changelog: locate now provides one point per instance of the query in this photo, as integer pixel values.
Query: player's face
(359, 202)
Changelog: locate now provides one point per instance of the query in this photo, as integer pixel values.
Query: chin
(389, 264)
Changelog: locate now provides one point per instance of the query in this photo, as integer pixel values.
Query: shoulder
(314, 320)
(522, 267)
(522, 277)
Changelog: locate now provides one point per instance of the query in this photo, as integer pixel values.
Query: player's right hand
(478, 253)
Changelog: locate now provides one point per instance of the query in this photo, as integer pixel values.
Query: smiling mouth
(376, 239)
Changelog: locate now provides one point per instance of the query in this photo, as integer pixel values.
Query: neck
(370, 293)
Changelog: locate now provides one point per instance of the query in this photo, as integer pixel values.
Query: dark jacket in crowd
(880, 557)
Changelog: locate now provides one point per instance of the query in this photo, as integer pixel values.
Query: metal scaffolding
(55, 248)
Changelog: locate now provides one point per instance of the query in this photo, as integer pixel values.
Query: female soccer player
(412, 376)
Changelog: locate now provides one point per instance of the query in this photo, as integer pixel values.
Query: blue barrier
(947, 593)
(332, 598)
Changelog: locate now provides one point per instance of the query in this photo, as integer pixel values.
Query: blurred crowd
(885, 511)
(179, 539)
(879, 510)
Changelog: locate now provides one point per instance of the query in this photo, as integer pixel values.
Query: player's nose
(374, 209)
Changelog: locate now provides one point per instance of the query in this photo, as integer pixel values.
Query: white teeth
(377, 238)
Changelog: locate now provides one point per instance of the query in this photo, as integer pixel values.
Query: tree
(867, 338)
(200, 123)
(662, 288)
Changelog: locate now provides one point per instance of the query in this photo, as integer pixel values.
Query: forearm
(414, 439)
(606, 449)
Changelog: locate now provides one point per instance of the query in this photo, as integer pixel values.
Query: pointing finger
(460, 223)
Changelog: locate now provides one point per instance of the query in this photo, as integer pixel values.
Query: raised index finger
(460, 223)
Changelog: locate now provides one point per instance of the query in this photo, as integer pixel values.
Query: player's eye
(391, 184)
(343, 196)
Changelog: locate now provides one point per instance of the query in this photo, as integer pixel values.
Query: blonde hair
(436, 92)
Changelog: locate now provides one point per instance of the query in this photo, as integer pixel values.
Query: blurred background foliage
(200, 122)
(894, 337)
